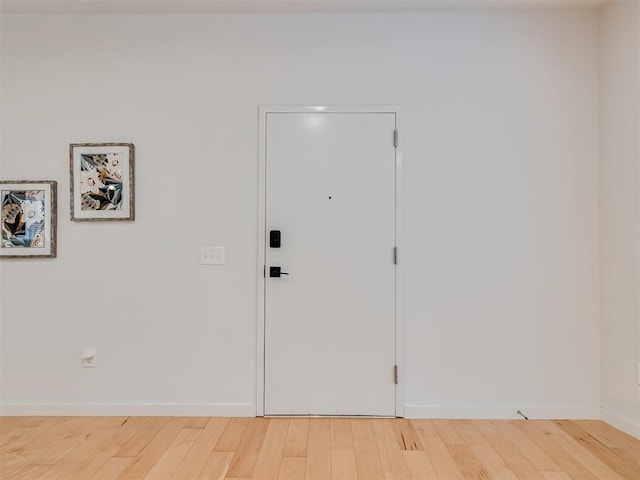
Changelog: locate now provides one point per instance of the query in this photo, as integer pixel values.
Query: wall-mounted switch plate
(88, 357)
(211, 255)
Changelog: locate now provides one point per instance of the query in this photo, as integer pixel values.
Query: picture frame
(28, 219)
(102, 181)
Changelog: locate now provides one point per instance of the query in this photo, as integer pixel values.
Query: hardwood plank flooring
(292, 468)
(246, 456)
(193, 463)
(364, 444)
(318, 449)
(297, 437)
(441, 460)
(180, 448)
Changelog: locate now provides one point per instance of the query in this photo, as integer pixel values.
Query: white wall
(619, 210)
(501, 161)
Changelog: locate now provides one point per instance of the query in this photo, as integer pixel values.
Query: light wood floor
(83, 448)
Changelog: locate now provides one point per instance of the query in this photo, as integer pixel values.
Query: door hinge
(395, 138)
(264, 271)
(395, 255)
(395, 374)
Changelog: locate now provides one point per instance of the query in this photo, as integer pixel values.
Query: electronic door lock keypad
(274, 238)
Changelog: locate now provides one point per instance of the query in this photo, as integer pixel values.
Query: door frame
(263, 110)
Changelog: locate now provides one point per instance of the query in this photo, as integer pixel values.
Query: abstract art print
(28, 218)
(102, 185)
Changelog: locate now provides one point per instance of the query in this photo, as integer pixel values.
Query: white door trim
(260, 268)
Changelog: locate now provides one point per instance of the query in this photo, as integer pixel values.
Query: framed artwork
(28, 218)
(102, 186)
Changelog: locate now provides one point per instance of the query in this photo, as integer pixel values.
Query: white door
(329, 346)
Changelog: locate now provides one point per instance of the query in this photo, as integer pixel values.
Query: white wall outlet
(211, 255)
(88, 357)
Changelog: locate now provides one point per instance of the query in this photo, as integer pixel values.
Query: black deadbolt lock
(274, 238)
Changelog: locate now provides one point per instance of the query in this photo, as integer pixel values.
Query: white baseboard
(624, 424)
(129, 409)
(502, 412)
(249, 410)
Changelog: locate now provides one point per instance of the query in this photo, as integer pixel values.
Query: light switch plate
(88, 357)
(211, 255)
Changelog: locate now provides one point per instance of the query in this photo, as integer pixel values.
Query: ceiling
(278, 6)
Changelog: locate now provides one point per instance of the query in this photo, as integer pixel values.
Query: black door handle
(276, 272)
